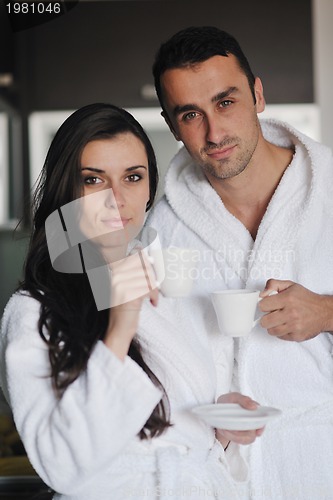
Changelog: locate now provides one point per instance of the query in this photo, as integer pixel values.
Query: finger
(273, 319)
(247, 403)
(236, 397)
(280, 331)
(271, 303)
(240, 437)
(290, 338)
(154, 294)
(278, 324)
(131, 278)
(275, 285)
(148, 270)
(129, 291)
(285, 332)
(244, 435)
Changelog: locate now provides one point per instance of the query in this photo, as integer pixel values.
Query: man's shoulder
(163, 219)
(161, 211)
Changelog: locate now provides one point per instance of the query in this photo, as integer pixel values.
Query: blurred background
(102, 51)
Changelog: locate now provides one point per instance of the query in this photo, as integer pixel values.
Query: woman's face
(115, 179)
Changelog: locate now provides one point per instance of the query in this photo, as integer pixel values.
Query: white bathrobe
(294, 457)
(86, 446)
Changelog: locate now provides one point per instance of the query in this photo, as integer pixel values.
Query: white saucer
(233, 417)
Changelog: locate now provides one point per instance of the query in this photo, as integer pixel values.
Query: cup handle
(256, 321)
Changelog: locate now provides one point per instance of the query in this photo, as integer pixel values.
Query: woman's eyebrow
(100, 171)
(93, 169)
(135, 167)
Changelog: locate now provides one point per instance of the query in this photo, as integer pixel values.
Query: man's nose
(214, 130)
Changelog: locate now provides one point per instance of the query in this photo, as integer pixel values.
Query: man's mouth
(218, 154)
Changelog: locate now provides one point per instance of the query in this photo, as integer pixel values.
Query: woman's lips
(116, 223)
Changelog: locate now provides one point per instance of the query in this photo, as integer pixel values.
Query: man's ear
(168, 122)
(259, 93)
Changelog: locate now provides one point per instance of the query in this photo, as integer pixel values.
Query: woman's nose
(114, 198)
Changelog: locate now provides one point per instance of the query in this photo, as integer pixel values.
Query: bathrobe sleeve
(67, 441)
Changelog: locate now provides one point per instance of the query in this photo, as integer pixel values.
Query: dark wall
(103, 51)
(7, 57)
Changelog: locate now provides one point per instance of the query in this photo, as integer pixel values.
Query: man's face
(210, 107)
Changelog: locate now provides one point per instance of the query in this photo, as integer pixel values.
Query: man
(255, 199)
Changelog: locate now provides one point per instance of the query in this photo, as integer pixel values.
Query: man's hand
(239, 437)
(295, 313)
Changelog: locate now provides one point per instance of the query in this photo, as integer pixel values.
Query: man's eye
(225, 104)
(190, 116)
(92, 180)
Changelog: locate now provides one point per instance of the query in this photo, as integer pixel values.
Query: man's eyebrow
(182, 109)
(224, 94)
(194, 107)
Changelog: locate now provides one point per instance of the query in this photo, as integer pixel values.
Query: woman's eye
(92, 180)
(133, 177)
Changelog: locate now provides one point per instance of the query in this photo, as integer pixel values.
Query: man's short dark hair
(194, 45)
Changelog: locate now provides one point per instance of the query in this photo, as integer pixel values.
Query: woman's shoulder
(21, 298)
(21, 306)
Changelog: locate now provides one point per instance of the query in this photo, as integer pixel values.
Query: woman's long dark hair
(70, 322)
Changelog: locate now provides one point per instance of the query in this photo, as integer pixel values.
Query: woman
(92, 415)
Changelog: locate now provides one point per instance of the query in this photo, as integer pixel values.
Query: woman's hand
(132, 279)
(239, 437)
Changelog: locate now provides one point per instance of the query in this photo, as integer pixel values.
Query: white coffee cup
(235, 311)
(175, 269)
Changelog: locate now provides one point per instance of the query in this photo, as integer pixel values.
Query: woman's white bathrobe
(294, 457)
(86, 446)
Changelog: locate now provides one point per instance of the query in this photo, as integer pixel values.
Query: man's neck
(247, 195)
